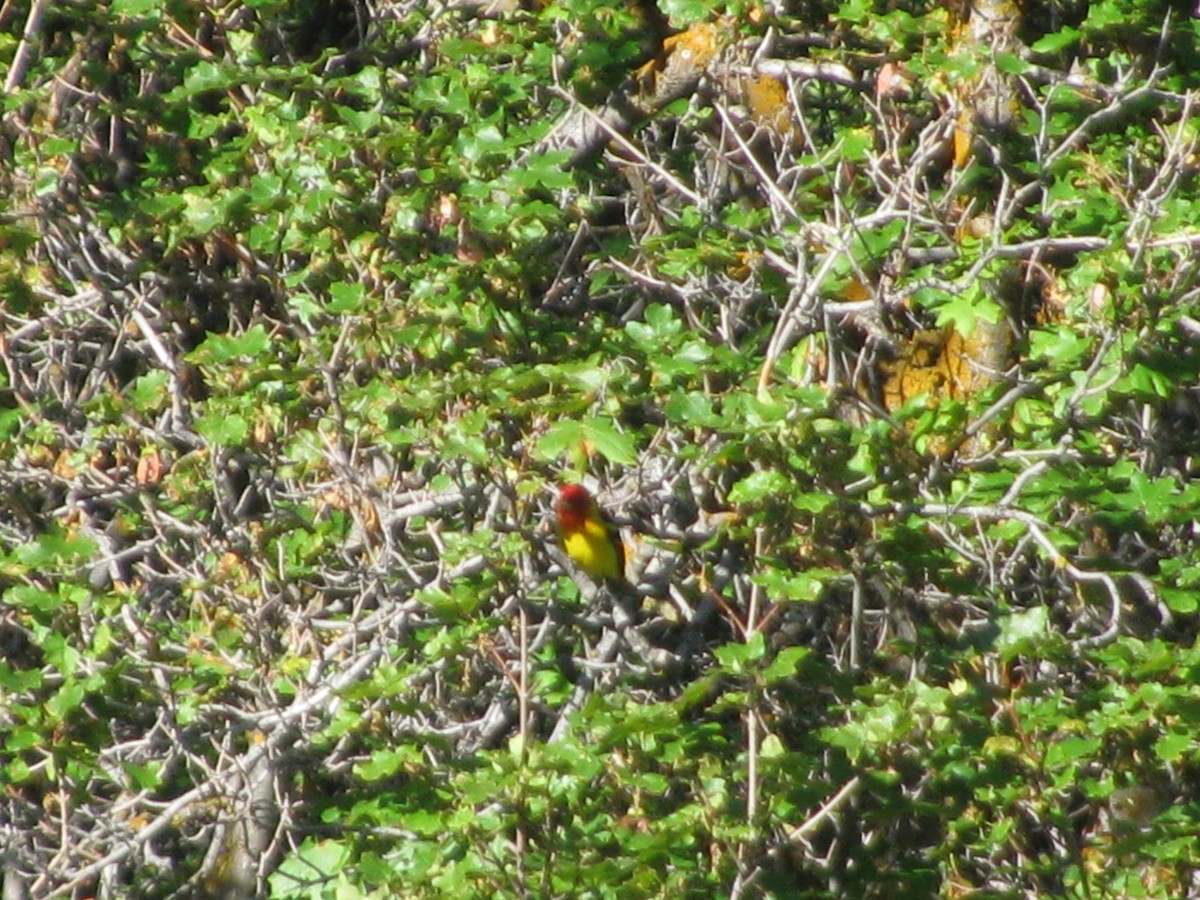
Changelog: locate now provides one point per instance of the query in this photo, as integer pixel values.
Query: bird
(587, 536)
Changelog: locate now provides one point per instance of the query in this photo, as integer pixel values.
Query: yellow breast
(593, 550)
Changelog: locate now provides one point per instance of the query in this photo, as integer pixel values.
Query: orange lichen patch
(854, 292)
(944, 364)
(1055, 297)
(697, 46)
(964, 134)
(684, 58)
(768, 104)
(64, 466)
(743, 264)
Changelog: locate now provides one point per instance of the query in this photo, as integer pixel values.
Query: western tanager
(587, 536)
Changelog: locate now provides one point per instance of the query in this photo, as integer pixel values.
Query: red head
(574, 503)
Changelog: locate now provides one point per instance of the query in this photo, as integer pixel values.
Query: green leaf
(736, 659)
(811, 503)
(386, 762)
(33, 598)
(1155, 497)
(346, 298)
(223, 348)
(1184, 602)
(687, 359)
(578, 438)
(206, 76)
(136, 8)
(16, 682)
(691, 409)
(146, 777)
(772, 747)
(151, 391)
(1066, 751)
(786, 663)
(53, 548)
(1173, 745)
(1059, 346)
(65, 700)
(964, 311)
(560, 438)
(1147, 382)
(856, 144)
(202, 211)
(1059, 40)
(683, 13)
(759, 486)
(223, 429)
(785, 586)
(1012, 64)
(313, 863)
(1022, 632)
(610, 443)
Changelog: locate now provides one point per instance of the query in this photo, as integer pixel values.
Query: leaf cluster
(875, 330)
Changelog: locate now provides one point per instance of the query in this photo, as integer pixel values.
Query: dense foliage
(875, 324)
